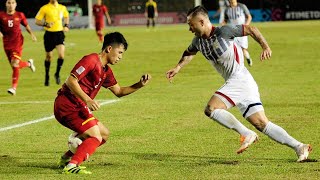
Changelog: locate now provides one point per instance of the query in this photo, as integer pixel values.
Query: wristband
(45, 24)
(66, 25)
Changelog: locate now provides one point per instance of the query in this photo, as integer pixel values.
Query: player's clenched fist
(145, 79)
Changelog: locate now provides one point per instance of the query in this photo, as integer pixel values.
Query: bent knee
(48, 57)
(259, 123)
(14, 63)
(105, 133)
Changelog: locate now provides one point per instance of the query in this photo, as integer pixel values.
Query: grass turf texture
(161, 132)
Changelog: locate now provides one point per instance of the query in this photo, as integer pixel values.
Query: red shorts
(13, 54)
(99, 25)
(73, 115)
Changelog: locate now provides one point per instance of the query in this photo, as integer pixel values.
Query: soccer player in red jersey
(99, 11)
(75, 100)
(10, 21)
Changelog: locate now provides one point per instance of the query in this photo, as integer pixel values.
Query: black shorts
(151, 15)
(52, 39)
(151, 12)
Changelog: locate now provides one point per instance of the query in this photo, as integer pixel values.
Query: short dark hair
(197, 10)
(114, 38)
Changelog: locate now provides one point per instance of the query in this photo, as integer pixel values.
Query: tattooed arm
(184, 60)
(257, 36)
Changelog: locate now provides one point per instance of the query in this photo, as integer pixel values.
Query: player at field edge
(220, 12)
(75, 100)
(50, 16)
(236, 14)
(151, 12)
(240, 89)
(100, 10)
(12, 37)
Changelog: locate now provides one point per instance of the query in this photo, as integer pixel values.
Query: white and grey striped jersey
(223, 4)
(236, 15)
(220, 49)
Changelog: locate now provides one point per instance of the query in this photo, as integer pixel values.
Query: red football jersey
(99, 11)
(91, 75)
(10, 28)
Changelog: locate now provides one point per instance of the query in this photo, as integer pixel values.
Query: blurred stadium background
(130, 12)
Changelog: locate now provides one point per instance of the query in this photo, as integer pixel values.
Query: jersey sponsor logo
(80, 70)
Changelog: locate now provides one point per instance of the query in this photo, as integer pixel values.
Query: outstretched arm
(185, 59)
(108, 17)
(123, 91)
(257, 36)
(33, 37)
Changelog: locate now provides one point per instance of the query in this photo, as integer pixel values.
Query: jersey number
(10, 23)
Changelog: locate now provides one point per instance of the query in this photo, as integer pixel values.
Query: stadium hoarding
(77, 22)
(258, 15)
(302, 15)
(140, 19)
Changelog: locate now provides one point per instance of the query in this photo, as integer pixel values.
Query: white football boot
(303, 152)
(32, 67)
(12, 91)
(246, 141)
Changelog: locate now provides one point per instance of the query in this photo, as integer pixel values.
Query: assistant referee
(54, 17)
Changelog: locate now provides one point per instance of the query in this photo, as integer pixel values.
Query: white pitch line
(27, 102)
(45, 102)
(102, 103)
(26, 123)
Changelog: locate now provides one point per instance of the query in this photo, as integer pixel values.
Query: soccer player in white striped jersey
(237, 14)
(240, 89)
(221, 11)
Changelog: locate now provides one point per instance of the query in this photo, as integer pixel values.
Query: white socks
(278, 134)
(274, 131)
(229, 121)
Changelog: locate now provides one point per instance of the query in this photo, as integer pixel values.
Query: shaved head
(199, 22)
(197, 11)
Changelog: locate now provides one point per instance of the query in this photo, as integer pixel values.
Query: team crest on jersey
(80, 70)
(96, 86)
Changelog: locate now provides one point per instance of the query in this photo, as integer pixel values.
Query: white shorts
(242, 41)
(242, 91)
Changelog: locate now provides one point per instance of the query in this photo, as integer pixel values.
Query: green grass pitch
(161, 132)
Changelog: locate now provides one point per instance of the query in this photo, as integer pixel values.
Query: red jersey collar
(212, 30)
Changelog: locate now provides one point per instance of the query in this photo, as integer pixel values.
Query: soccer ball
(74, 142)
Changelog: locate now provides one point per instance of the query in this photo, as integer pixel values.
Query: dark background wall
(31, 7)
(261, 4)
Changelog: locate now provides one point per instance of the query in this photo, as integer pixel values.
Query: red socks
(100, 35)
(15, 76)
(86, 148)
(23, 64)
(16, 72)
